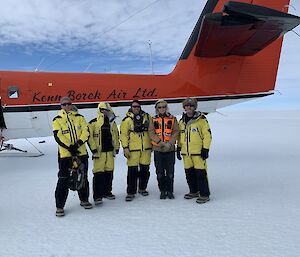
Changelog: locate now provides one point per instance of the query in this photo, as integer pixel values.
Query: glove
(178, 155)
(94, 151)
(117, 151)
(73, 149)
(204, 153)
(127, 153)
(79, 143)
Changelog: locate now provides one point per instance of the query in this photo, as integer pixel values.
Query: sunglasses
(189, 105)
(160, 107)
(102, 109)
(65, 104)
(136, 106)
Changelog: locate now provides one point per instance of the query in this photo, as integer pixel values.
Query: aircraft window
(13, 92)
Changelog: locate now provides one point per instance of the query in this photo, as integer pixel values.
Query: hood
(105, 105)
(196, 115)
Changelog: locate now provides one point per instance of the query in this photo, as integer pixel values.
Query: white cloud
(120, 28)
(112, 26)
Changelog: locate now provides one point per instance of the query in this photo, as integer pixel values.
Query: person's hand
(204, 153)
(127, 153)
(73, 149)
(79, 143)
(95, 154)
(161, 144)
(178, 155)
(115, 152)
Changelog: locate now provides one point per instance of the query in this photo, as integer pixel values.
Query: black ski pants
(164, 164)
(137, 177)
(197, 181)
(102, 184)
(62, 190)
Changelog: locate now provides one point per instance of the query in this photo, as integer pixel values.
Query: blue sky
(96, 36)
(113, 37)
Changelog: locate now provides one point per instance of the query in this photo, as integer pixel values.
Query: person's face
(189, 110)
(135, 107)
(162, 108)
(104, 111)
(66, 105)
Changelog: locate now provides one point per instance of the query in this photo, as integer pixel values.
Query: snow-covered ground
(254, 209)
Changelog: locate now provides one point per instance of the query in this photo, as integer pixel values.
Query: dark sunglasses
(103, 109)
(135, 106)
(189, 105)
(65, 104)
(160, 107)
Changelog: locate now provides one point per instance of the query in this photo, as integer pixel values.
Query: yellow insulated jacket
(135, 141)
(194, 135)
(95, 131)
(68, 129)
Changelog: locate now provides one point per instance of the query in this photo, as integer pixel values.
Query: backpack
(76, 180)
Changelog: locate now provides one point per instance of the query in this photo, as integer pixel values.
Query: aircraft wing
(242, 29)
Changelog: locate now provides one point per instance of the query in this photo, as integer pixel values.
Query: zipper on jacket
(200, 134)
(99, 137)
(163, 129)
(187, 139)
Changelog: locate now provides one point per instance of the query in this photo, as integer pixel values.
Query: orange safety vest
(163, 128)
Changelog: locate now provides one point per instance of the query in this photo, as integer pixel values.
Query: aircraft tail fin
(235, 47)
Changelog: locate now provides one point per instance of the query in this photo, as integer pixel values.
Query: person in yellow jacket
(137, 149)
(104, 144)
(70, 132)
(194, 143)
(163, 130)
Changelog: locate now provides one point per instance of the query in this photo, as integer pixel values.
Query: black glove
(178, 155)
(204, 153)
(117, 151)
(73, 149)
(79, 143)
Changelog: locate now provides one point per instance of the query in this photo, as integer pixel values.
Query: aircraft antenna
(37, 67)
(86, 69)
(151, 62)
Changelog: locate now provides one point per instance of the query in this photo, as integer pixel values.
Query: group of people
(140, 135)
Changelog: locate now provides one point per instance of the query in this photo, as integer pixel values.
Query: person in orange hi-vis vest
(163, 131)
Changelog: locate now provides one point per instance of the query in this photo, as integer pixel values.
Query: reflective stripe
(164, 129)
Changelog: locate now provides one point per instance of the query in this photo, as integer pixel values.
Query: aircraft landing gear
(9, 147)
(8, 150)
